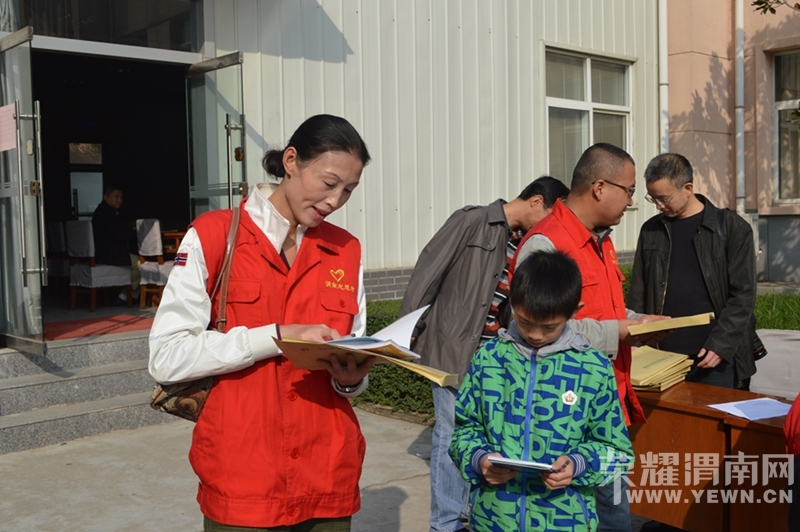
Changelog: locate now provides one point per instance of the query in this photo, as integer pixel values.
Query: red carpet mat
(60, 330)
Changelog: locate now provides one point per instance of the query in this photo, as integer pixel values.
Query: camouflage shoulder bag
(186, 399)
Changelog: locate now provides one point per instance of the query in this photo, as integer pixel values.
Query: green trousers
(341, 524)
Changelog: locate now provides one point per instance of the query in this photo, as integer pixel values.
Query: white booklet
(396, 335)
(306, 354)
(519, 464)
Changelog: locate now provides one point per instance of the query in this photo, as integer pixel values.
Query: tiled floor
(56, 308)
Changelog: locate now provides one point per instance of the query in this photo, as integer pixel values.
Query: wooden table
(756, 439)
(172, 241)
(694, 441)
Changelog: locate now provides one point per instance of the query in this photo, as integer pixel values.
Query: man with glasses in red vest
(603, 184)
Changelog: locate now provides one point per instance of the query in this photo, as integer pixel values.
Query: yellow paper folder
(649, 365)
(306, 354)
(671, 323)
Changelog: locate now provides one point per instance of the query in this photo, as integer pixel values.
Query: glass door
(217, 170)
(22, 255)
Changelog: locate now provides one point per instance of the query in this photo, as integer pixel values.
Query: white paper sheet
(397, 334)
(401, 330)
(8, 128)
(753, 409)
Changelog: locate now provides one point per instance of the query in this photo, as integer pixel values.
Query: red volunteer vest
(601, 292)
(275, 445)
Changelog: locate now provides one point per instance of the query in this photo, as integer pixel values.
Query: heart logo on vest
(337, 274)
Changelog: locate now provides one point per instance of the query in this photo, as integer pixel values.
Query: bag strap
(225, 273)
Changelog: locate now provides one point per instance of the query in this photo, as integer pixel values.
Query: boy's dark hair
(547, 284)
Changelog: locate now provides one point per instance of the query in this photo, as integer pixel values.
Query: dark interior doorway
(136, 111)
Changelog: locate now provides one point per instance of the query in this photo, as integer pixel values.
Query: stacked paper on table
(656, 370)
(306, 354)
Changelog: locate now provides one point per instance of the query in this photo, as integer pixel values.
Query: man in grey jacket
(693, 258)
(463, 274)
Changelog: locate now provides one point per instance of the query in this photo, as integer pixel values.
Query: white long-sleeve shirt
(182, 348)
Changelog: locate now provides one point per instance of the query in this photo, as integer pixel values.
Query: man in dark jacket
(463, 274)
(687, 263)
(113, 236)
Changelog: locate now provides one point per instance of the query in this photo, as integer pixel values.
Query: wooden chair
(85, 275)
(154, 270)
(57, 259)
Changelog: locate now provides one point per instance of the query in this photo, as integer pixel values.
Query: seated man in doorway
(694, 258)
(112, 238)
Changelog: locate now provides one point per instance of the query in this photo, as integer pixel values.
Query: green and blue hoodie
(537, 405)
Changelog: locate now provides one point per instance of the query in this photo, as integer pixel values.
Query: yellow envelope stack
(656, 370)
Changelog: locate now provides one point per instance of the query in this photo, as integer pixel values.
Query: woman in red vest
(276, 448)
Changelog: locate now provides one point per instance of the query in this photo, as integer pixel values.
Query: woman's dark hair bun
(273, 163)
(317, 135)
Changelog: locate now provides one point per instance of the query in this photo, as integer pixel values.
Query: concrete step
(58, 424)
(83, 387)
(66, 355)
(31, 392)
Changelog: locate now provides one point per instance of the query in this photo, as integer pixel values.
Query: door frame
(27, 333)
(198, 71)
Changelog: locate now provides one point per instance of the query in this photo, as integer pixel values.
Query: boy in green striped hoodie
(540, 393)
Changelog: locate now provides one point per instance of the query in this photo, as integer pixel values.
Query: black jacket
(728, 271)
(111, 236)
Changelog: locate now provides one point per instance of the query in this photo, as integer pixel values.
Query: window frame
(777, 107)
(588, 105)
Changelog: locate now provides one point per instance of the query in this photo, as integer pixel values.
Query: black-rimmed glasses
(630, 191)
(660, 201)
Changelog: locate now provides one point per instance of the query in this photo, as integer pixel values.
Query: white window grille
(588, 101)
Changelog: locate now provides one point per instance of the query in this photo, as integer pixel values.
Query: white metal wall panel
(421, 190)
(247, 39)
(353, 86)
(448, 95)
(442, 140)
(261, 105)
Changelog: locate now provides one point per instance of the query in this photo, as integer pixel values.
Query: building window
(786, 140)
(588, 101)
